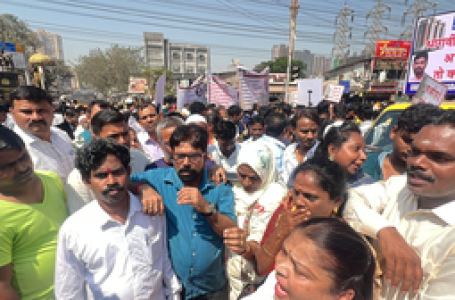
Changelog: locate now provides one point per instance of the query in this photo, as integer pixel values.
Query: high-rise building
(279, 51)
(184, 60)
(321, 64)
(51, 44)
(306, 57)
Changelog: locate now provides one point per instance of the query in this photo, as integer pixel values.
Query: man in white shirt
(105, 124)
(275, 129)
(412, 217)
(148, 119)
(225, 150)
(49, 147)
(109, 249)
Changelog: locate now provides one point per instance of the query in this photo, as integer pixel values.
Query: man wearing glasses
(197, 212)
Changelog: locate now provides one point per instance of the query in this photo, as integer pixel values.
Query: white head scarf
(259, 157)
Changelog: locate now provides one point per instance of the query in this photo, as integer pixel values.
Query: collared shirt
(56, 156)
(277, 148)
(151, 148)
(196, 251)
(101, 258)
(430, 233)
(228, 163)
(290, 162)
(77, 192)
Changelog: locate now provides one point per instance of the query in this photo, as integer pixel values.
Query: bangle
(267, 252)
(136, 188)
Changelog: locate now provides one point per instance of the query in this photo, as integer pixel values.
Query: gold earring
(335, 211)
(331, 158)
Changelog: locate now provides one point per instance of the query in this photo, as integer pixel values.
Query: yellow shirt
(431, 233)
(28, 239)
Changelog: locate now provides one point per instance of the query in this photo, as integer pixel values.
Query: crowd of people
(134, 201)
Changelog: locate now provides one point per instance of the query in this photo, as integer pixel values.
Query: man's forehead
(31, 104)
(111, 162)
(185, 147)
(147, 110)
(442, 137)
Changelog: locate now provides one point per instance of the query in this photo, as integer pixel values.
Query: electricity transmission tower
(415, 11)
(376, 28)
(341, 49)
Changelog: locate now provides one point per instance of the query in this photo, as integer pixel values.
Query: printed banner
(195, 92)
(430, 91)
(159, 90)
(333, 92)
(222, 93)
(253, 87)
(393, 49)
(12, 56)
(137, 85)
(433, 52)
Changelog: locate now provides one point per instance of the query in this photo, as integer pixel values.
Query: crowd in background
(134, 201)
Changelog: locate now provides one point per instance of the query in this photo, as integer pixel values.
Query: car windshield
(378, 137)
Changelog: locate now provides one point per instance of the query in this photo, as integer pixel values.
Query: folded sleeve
(364, 207)
(6, 246)
(226, 202)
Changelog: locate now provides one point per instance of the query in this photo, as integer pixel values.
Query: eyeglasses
(192, 157)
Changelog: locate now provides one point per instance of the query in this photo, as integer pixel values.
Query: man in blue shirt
(197, 212)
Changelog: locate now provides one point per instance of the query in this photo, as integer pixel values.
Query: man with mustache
(50, 148)
(109, 249)
(419, 65)
(32, 209)
(412, 217)
(197, 211)
(148, 118)
(104, 124)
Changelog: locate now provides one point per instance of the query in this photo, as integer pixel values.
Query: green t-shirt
(28, 239)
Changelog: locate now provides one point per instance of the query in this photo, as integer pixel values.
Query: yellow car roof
(404, 105)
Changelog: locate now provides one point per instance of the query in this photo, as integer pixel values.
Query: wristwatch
(212, 210)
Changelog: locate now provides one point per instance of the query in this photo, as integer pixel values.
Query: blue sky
(233, 29)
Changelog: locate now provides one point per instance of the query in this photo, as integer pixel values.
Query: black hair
(4, 106)
(176, 114)
(9, 140)
(191, 133)
(339, 110)
(330, 175)
(421, 55)
(276, 123)
(336, 136)
(306, 113)
(70, 112)
(447, 118)
(234, 110)
(415, 117)
(211, 106)
(197, 108)
(213, 119)
(30, 93)
(225, 130)
(323, 107)
(366, 112)
(90, 157)
(101, 103)
(103, 118)
(287, 109)
(264, 111)
(345, 255)
(256, 120)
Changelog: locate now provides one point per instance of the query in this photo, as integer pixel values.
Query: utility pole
(341, 48)
(293, 11)
(376, 27)
(415, 11)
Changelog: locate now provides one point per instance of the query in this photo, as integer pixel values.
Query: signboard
(347, 86)
(310, 91)
(221, 93)
(253, 87)
(430, 91)
(137, 85)
(433, 52)
(193, 93)
(12, 56)
(333, 93)
(393, 49)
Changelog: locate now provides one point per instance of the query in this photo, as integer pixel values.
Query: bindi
(109, 171)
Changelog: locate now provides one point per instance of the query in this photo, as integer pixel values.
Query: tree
(13, 30)
(109, 69)
(280, 65)
(153, 75)
(58, 72)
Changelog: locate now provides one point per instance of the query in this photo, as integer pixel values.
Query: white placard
(310, 91)
(430, 91)
(333, 92)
